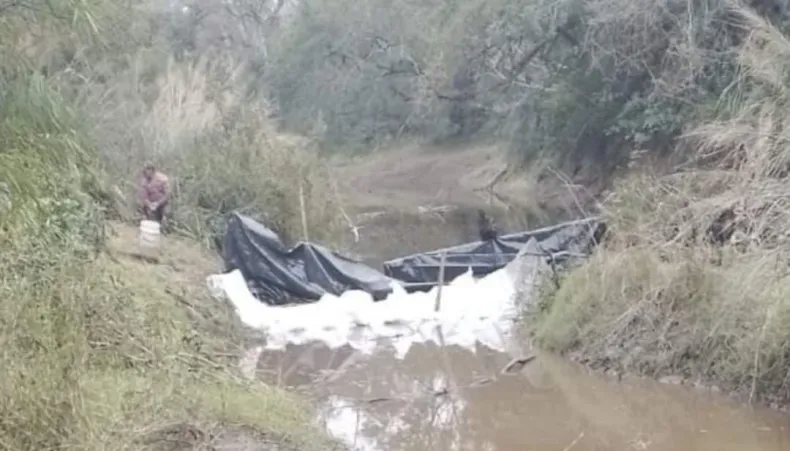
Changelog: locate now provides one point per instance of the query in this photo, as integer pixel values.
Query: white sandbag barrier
(472, 311)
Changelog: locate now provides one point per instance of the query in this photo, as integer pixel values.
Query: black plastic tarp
(303, 273)
(556, 243)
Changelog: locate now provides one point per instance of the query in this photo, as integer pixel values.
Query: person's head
(149, 170)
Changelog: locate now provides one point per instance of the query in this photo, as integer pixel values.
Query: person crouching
(154, 194)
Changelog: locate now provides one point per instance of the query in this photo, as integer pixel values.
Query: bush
(694, 279)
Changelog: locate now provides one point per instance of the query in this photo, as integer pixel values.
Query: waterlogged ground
(454, 399)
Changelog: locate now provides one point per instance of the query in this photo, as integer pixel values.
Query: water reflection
(458, 400)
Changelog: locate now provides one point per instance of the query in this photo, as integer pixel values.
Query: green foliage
(581, 83)
(365, 78)
(49, 234)
(47, 165)
(97, 351)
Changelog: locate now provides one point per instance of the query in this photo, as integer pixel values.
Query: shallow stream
(455, 399)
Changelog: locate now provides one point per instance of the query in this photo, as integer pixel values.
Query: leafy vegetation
(583, 84)
(96, 353)
(99, 350)
(693, 280)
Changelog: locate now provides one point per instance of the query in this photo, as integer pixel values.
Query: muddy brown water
(454, 399)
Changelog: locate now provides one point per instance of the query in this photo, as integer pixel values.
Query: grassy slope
(100, 350)
(154, 371)
(175, 289)
(694, 281)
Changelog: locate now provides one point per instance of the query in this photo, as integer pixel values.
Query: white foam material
(472, 310)
(344, 420)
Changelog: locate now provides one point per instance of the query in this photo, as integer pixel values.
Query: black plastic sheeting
(303, 273)
(278, 275)
(556, 243)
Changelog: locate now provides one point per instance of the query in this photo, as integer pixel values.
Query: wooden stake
(438, 304)
(302, 207)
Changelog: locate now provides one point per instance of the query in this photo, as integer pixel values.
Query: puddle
(457, 399)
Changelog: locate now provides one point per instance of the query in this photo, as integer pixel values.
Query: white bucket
(150, 234)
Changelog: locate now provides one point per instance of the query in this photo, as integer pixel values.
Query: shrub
(694, 279)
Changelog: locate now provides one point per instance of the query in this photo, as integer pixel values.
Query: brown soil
(184, 437)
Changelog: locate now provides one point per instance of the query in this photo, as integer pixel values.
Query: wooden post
(438, 304)
(302, 207)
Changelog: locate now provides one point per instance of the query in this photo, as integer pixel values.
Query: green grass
(678, 313)
(104, 354)
(101, 350)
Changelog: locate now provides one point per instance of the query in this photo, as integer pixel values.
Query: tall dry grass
(100, 351)
(221, 149)
(695, 279)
